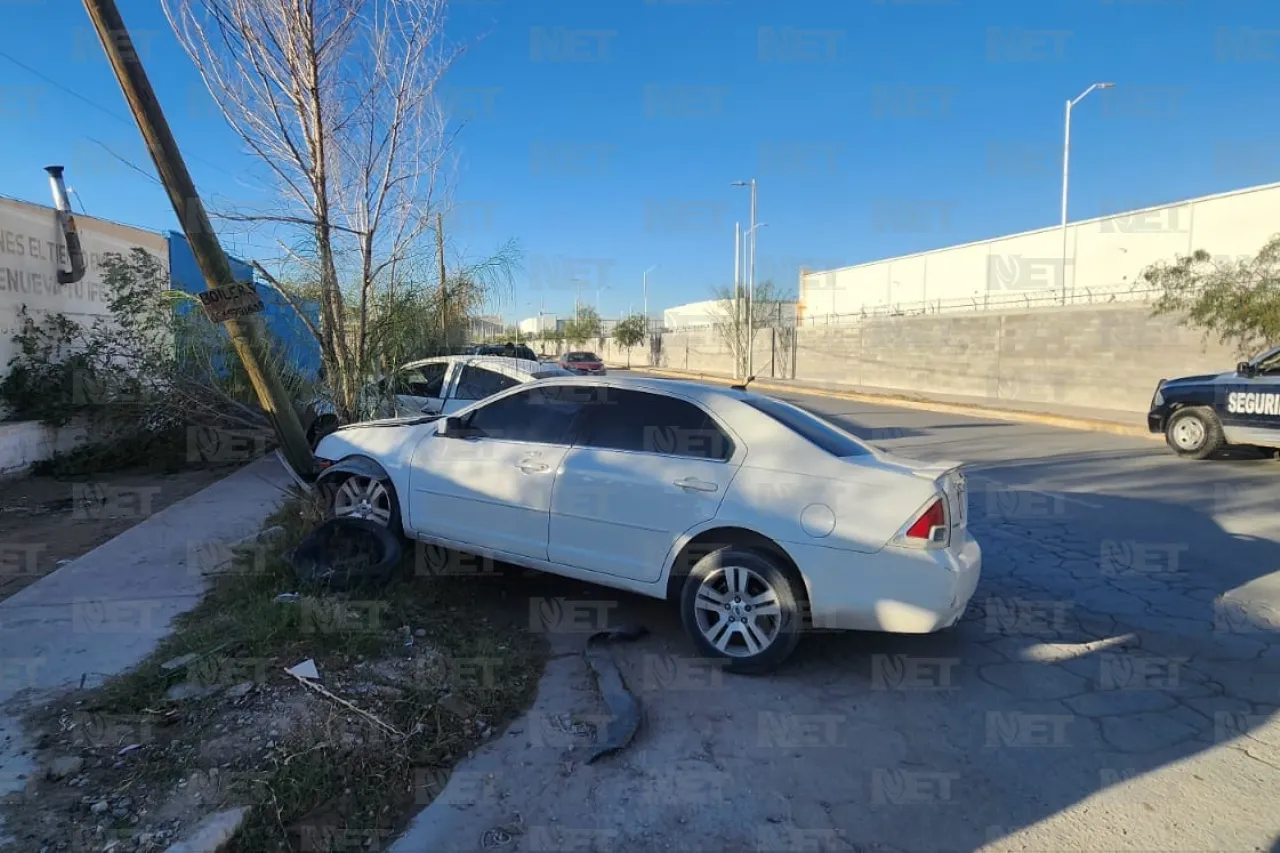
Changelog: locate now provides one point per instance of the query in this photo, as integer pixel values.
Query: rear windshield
(581, 356)
(824, 434)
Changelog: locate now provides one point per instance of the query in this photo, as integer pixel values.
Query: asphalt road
(1114, 685)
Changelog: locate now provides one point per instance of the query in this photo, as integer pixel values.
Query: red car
(582, 363)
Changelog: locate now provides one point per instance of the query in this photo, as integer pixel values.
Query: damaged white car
(759, 518)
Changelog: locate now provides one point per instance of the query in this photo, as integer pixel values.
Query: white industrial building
(1100, 260)
(710, 312)
(535, 326)
(705, 313)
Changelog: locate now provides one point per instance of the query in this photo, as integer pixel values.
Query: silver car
(434, 386)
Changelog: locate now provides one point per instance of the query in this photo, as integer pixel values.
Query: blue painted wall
(287, 330)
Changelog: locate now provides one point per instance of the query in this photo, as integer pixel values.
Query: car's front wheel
(370, 498)
(1194, 432)
(741, 606)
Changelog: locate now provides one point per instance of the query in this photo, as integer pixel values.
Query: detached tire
(742, 606)
(1194, 432)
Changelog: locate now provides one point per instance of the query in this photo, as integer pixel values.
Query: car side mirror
(450, 427)
(1244, 368)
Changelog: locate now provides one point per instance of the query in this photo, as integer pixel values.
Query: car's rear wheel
(1194, 432)
(370, 498)
(741, 606)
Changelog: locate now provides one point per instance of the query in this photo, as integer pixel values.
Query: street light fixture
(1066, 171)
(751, 272)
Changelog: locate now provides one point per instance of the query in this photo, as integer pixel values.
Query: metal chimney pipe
(67, 223)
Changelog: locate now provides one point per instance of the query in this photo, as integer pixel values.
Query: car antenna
(752, 377)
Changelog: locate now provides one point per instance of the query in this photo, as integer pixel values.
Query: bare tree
(338, 99)
(730, 317)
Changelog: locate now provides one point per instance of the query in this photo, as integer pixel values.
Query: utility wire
(97, 106)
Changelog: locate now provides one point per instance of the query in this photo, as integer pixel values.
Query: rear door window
(641, 422)
(477, 383)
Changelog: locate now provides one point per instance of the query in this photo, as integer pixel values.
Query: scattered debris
(128, 749)
(288, 598)
(240, 690)
(213, 832)
(343, 702)
(623, 706)
(306, 669)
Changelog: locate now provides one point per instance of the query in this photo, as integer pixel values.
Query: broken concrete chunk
(212, 833)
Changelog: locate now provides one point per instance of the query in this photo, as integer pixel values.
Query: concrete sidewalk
(104, 612)
(1111, 421)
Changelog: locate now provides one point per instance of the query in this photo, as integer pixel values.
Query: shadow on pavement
(1098, 650)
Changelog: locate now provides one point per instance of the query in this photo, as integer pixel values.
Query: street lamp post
(751, 274)
(1066, 171)
(645, 286)
(737, 296)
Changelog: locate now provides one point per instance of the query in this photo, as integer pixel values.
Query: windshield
(1268, 360)
(809, 426)
(581, 356)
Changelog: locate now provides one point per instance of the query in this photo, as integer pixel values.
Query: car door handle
(530, 467)
(695, 485)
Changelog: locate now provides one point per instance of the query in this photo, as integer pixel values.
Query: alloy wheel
(363, 497)
(738, 611)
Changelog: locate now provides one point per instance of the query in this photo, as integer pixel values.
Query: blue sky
(604, 136)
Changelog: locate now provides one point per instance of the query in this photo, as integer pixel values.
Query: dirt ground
(46, 521)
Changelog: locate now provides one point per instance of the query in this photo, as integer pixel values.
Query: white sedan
(758, 517)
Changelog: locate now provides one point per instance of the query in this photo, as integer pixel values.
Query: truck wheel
(1194, 432)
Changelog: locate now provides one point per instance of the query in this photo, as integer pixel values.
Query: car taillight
(930, 528)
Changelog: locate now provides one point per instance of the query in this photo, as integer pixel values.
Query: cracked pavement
(1113, 686)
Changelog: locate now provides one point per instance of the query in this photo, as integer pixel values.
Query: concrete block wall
(1098, 356)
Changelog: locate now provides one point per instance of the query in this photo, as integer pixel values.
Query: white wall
(31, 253)
(1103, 255)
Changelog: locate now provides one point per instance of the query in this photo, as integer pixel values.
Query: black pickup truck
(1199, 415)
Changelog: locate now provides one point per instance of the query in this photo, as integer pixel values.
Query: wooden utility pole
(444, 294)
(248, 334)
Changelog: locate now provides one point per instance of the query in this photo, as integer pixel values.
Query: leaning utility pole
(248, 334)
